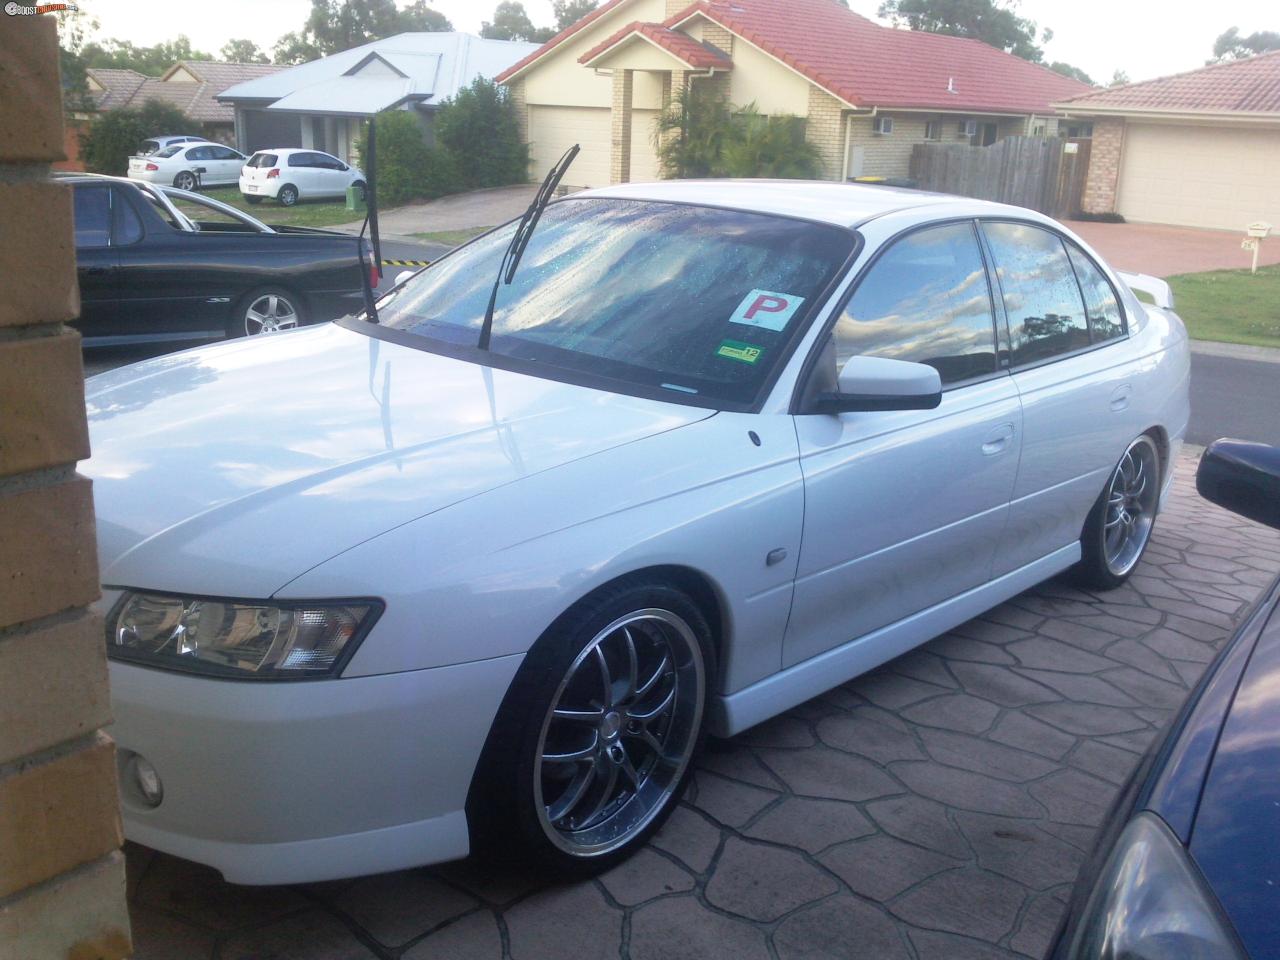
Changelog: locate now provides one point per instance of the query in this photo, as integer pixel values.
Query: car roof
(840, 204)
(285, 151)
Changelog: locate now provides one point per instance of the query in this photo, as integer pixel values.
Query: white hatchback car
(289, 175)
(377, 596)
(189, 166)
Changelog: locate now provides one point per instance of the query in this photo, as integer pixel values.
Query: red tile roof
(868, 65)
(680, 45)
(1238, 86)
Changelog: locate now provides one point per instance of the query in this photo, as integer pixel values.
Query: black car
(159, 263)
(1187, 865)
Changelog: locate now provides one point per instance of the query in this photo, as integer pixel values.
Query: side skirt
(766, 698)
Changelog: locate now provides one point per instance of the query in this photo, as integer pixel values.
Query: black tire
(288, 195)
(251, 199)
(506, 815)
(1101, 566)
(185, 180)
(239, 323)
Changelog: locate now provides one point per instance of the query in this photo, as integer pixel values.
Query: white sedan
(290, 175)
(377, 596)
(188, 166)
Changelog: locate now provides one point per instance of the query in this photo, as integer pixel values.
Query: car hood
(1235, 838)
(230, 470)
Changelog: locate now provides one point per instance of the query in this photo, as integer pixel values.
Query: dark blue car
(1188, 864)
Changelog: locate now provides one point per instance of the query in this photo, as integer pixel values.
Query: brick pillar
(62, 882)
(620, 137)
(1104, 165)
(515, 90)
(824, 128)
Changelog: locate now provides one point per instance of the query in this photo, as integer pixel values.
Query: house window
(1083, 130)
(933, 130)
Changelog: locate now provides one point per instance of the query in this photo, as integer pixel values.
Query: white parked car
(376, 596)
(289, 175)
(189, 166)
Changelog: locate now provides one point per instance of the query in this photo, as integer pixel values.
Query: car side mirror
(877, 383)
(1244, 477)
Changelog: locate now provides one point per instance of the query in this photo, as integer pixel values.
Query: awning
(351, 96)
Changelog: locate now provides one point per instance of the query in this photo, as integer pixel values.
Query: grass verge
(452, 238)
(305, 213)
(1231, 306)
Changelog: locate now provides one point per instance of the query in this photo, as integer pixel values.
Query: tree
(1118, 79)
(569, 12)
(337, 25)
(114, 136)
(73, 29)
(1067, 70)
(480, 129)
(511, 22)
(152, 61)
(1231, 46)
(243, 51)
(986, 20)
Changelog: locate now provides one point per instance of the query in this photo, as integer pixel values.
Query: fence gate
(1045, 174)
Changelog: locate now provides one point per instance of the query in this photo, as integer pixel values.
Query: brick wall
(61, 870)
(620, 132)
(515, 90)
(824, 128)
(1104, 165)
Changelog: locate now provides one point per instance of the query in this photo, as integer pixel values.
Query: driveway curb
(1237, 351)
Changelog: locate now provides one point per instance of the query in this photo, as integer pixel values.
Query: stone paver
(937, 809)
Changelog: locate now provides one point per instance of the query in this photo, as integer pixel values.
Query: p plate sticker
(766, 309)
(737, 350)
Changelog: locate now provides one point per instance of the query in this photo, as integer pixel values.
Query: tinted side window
(302, 160)
(926, 300)
(1105, 319)
(225, 153)
(128, 226)
(1046, 314)
(200, 153)
(93, 217)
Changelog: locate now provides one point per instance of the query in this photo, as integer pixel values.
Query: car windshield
(168, 151)
(673, 300)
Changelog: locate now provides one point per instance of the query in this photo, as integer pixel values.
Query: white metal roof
(427, 67)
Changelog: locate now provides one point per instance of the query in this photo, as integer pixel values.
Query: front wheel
(592, 747)
(1119, 526)
(288, 195)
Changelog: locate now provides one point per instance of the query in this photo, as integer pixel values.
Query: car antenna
(520, 239)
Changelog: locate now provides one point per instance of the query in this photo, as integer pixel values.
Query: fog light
(147, 780)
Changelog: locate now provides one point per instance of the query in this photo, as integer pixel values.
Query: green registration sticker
(737, 350)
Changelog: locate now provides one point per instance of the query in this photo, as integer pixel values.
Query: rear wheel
(186, 180)
(288, 195)
(266, 310)
(1119, 526)
(593, 745)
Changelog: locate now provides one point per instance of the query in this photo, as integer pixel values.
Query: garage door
(553, 130)
(1200, 176)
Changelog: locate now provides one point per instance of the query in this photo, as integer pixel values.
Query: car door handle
(1120, 397)
(997, 440)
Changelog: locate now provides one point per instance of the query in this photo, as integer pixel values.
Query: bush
(113, 137)
(481, 131)
(761, 146)
(403, 158)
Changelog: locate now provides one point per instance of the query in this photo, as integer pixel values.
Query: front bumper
(288, 782)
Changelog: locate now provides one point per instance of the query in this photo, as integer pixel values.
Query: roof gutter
(1157, 113)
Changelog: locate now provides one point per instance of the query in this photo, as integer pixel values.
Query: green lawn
(452, 238)
(1233, 306)
(305, 213)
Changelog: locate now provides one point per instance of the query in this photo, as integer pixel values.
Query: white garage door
(1200, 176)
(553, 130)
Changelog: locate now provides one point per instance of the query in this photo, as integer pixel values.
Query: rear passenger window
(925, 300)
(1105, 319)
(302, 160)
(1041, 297)
(93, 217)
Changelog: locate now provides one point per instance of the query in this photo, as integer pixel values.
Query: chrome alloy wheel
(620, 732)
(1131, 506)
(269, 313)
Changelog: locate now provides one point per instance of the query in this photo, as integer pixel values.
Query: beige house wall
(760, 79)
(62, 879)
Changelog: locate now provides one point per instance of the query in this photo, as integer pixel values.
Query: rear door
(904, 509)
(97, 265)
(1075, 375)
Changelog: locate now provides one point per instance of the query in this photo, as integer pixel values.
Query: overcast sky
(1145, 38)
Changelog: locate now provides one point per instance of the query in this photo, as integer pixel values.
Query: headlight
(1150, 903)
(235, 638)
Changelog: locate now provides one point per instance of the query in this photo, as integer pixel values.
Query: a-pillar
(620, 138)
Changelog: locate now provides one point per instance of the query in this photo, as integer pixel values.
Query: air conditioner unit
(969, 128)
(884, 126)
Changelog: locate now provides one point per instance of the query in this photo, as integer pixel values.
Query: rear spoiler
(1158, 290)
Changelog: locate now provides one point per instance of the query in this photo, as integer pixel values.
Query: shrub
(690, 133)
(761, 146)
(113, 137)
(403, 158)
(481, 131)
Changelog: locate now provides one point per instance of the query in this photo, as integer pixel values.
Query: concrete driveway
(479, 208)
(1164, 251)
(937, 809)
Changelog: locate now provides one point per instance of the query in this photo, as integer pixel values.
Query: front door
(903, 510)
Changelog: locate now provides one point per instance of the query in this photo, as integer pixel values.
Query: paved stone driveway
(1164, 251)
(937, 809)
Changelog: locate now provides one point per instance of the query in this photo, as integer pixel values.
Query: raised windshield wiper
(520, 239)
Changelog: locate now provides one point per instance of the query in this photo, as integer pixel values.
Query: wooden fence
(1045, 174)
